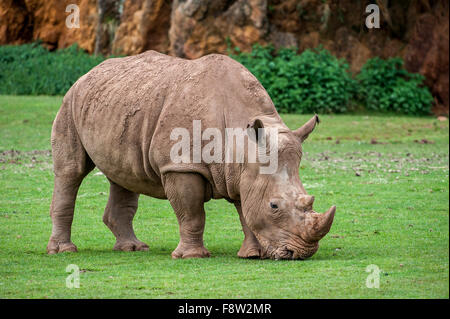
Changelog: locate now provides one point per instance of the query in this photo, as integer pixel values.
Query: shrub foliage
(386, 86)
(31, 69)
(314, 81)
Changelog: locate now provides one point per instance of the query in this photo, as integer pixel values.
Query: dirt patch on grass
(21, 161)
(19, 157)
(372, 162)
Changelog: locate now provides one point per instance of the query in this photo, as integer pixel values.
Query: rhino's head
(276, 206)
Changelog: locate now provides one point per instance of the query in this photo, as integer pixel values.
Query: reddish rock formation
(84, 36)
(201, 27)
(22, 21)
(427, 53)
(16, 26)
(416, 30)
(144, 24)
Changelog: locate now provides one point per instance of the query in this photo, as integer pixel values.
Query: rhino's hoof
(197, 252)
(249, 252)
(55, 247)
(131, 246)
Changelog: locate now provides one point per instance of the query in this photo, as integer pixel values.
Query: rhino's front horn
(322, 224)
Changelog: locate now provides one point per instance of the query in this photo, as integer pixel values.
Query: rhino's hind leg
(119, 213)
(61, 212)
(71, 164)
(250, 247)
(186, 193)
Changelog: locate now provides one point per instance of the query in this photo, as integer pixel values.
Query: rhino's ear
(255, 125)
(303, 132)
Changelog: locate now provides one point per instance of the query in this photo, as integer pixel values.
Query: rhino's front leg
(250, 247)
(119, 212)
(186, 193)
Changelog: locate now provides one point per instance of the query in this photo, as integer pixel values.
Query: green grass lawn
(387, 175)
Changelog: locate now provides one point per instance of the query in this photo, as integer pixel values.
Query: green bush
(313, 82)
(386, 86)
(31, 69)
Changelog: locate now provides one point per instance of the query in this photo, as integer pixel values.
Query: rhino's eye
(274, 206)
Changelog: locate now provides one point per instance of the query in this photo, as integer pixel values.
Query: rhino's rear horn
(306, 201)
(309, 201)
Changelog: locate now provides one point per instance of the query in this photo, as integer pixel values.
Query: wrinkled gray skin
(118, 118)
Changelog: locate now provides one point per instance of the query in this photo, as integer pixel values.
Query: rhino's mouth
(286, 250)
(286, 254)
(297, 254)
(281, 253)
(271, 252)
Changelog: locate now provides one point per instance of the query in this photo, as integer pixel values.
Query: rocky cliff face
(23, 21)
(416, 30)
